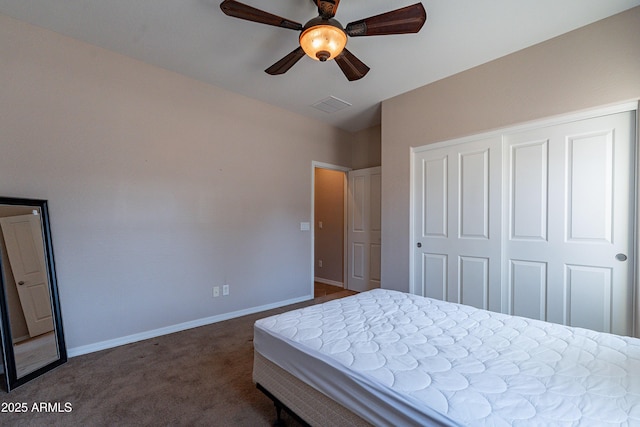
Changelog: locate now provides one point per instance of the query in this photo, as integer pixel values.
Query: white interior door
(569, 229)
(457, 223)
(364, 232)
(25, 250)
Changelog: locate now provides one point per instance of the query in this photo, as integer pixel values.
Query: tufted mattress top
(400, 359)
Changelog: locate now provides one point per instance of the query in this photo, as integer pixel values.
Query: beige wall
(590, 67)
(160, 187)
(367, 148)
(329, 240)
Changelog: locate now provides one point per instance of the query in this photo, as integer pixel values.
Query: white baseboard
(116, 342)
(328, 282)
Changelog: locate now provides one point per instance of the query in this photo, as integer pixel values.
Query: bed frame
(302, 401)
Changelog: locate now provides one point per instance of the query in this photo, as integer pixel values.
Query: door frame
(321, 165)
(530, 125)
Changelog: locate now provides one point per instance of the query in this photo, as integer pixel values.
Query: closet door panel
(457, 228)
(575, 180)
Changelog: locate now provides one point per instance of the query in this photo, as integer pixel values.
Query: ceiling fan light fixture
(323, 39)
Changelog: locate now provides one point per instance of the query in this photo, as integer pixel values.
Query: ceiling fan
(323, 38)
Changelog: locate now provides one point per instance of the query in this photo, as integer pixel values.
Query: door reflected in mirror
(33, 342)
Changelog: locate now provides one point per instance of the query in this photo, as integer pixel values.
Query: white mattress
(400, 359)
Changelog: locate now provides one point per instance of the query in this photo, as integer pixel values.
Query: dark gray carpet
(198, 377)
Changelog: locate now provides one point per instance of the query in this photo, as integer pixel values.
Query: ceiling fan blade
(406, 20)
(285, 63)
(328, 8)
(351, 66)
(243, 11)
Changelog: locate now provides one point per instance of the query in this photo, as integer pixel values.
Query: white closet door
(457, 223)
(568, 229)
(553, 240)
(364, 229)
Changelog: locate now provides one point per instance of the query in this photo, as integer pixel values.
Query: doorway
(329, 227)
(346, 244)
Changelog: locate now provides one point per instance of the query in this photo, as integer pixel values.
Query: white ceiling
(194, 38)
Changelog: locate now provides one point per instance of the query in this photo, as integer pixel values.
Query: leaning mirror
(32, 338)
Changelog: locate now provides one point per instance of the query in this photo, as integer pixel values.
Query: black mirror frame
(10, 371)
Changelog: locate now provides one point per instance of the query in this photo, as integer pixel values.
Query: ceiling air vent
(331, 105)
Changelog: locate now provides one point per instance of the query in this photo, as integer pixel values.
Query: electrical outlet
(216, 291)
(320, 263)
(225, 290)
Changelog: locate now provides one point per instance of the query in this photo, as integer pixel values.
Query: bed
(389, 358)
